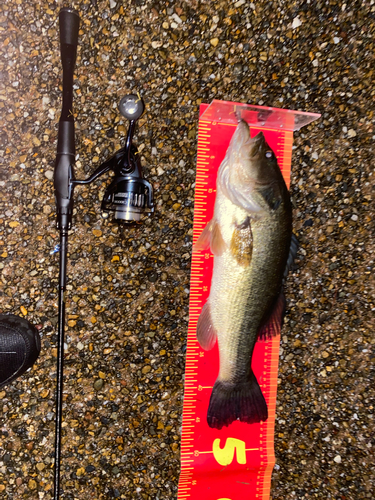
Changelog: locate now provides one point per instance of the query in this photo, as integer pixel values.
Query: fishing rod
(128, 196)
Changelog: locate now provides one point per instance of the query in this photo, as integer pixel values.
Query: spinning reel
(129, 194)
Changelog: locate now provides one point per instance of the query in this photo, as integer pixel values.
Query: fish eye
(269, 154)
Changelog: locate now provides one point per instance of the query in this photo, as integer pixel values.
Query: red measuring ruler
(235, 462)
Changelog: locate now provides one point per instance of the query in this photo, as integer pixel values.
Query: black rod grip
(64, 173)
(69, 26)
(65, 139)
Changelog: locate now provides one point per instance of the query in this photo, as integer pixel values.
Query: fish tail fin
(242, 401)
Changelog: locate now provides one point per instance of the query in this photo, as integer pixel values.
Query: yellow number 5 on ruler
(225, 456)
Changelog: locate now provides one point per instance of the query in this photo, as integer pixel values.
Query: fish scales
(236, 291)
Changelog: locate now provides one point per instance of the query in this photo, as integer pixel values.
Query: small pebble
(296, 23)
(98, 384)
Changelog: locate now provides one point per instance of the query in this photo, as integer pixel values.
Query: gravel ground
(127, 305)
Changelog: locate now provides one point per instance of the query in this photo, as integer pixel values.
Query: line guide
(236, 462)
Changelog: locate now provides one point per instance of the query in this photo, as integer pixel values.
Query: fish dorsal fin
(206, 333)
(293, 249)
(241, 245)
(211, 237)
(273, 323)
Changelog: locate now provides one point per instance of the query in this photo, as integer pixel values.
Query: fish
(250, 236)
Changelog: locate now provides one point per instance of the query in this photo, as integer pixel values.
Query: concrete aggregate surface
(128, 288)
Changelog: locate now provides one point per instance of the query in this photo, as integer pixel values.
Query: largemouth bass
(250, 236)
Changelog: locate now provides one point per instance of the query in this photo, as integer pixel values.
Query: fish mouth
(255, 145)
(242, 141)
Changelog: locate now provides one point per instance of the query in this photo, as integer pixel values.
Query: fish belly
(230, 316)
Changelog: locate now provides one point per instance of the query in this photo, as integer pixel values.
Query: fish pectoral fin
(206, 333)
(203, 242)
(271, 327)
(294, 245)
(241, 245)
(211, 237)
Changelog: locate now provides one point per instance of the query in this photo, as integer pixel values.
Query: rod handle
(64, 174)
(69, 26)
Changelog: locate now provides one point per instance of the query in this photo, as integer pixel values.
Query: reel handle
(131, 107)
